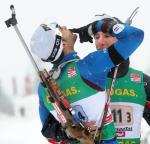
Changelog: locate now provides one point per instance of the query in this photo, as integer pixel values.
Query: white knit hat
(46, 42)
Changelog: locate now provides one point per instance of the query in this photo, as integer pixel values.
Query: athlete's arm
(51, 128)
(129, 38)
(94, 67)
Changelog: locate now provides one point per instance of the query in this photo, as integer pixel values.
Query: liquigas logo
(70, 91)
(123, 92)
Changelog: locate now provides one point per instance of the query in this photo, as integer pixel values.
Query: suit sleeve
(95, 66)
(129, 39)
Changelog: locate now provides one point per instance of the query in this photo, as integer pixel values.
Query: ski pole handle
(13, 10)
(13, 22)
(130, 18)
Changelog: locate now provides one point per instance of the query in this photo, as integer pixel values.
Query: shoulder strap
(55, 73)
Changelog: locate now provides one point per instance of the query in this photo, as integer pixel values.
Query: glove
(85, 32)
(53, 130)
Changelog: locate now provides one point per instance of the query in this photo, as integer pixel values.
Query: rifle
(61, 105)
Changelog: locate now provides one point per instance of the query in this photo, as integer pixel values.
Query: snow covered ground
(17, 130)
(22, 129)
(145, 132)
(25, 126)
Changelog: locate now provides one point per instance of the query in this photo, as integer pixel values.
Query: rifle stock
(72, 128)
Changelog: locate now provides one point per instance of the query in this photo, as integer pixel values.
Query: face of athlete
(103, 40)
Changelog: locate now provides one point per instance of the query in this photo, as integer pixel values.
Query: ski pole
(130, 18)
(56, 97)
(13, 22)
(101, 121)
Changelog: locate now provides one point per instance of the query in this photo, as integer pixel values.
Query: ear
(64, 46)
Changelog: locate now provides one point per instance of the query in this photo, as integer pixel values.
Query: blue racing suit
(95, 66)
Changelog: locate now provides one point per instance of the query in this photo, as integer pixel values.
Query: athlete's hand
(92, 126)
(84, 36)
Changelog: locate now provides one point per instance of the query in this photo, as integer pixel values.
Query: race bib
(122, 115)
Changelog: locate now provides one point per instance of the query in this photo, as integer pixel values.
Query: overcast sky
(30, 13)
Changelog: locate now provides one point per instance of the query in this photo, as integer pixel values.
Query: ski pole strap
(99, 130)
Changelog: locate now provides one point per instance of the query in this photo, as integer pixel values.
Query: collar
(122, 70)
(66, 58)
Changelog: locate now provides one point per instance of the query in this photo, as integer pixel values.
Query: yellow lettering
(64, 94)
(48, 99)
(125, 92)
(132, 92)
(118, 92)
(68, 92)
(73, 90)
(108, 91)
(127, 142)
